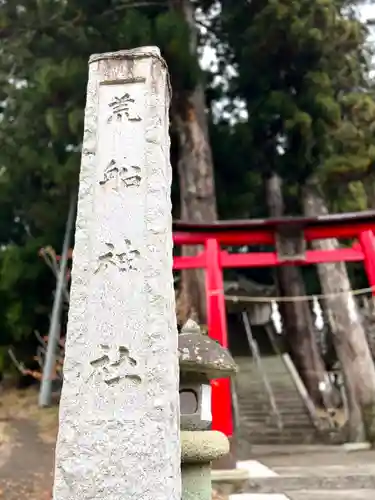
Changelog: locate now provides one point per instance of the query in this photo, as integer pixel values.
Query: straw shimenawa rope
(297, 298)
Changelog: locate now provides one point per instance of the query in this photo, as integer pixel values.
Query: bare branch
(49, 256)
(136, 5)
(40, 338)
(20, 366)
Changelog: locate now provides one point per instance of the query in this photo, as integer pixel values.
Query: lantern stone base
(198, 450)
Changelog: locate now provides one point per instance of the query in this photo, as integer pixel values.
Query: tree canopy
(299, 66)
(302, 70)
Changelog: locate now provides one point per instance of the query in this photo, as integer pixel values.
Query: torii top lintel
(264, 231)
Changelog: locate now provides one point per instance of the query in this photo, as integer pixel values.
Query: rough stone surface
(119, 416)
(203, 446)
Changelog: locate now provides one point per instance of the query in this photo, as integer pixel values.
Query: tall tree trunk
(348, 334)
(297, 318)
(369, 188)
(196, 174)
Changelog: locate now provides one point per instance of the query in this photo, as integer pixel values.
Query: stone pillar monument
(119, 413)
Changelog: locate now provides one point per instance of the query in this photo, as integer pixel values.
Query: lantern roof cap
(200, 354)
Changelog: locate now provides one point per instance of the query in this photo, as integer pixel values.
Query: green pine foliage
(303, 74)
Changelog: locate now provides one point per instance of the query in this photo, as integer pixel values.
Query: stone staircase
(257, 424)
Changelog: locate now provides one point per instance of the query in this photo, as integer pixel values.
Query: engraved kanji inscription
(124, 258)
(114, 364)
(122, 109)
(129, 175)
(111, 172)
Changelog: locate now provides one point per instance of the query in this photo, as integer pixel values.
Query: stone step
(264, 417)
(272, 422)
(260, 390)
(266, 423)
(268, 420)
(272, 429)
(274, 438)
(288, 385)
(285, 439)
(251, 401)
(276, 383)
(243, 394)
(254, 424)
(268, 368)
(260, 387)
(286, 434)
(257, 422)
(275, 379)
(307, 439)
(265, 406)
(295, 439)
(289, 405)
(278, 376)
(290, 417)
(267, 410)
(248, 389)
(282, 403)
(263, 396)
(246, 392)
(262, 428)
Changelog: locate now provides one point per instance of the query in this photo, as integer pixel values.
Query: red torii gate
(289, 237)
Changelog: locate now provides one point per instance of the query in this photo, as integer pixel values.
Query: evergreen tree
(43, 74)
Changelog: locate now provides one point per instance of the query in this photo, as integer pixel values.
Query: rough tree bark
(196, 175)
(297, 318)
(348, 334)
(369, 188)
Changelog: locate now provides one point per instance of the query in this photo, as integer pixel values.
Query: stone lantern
(201, 359)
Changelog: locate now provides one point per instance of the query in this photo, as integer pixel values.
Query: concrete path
(309, 495)
(320, 474)
(333, 495)
(26, 473)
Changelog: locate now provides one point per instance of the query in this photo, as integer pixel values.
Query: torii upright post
(367, 242)
(217, 329)
(119, 412)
